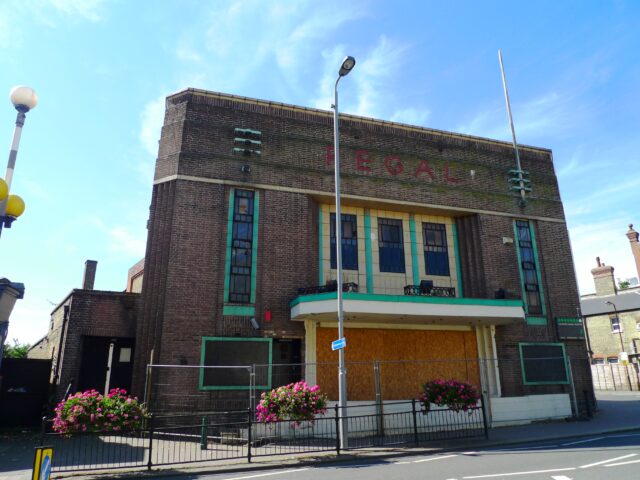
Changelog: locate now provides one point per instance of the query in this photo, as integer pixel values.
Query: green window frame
(202, 386)
(548, 360)
(529, 268)
(249, 220)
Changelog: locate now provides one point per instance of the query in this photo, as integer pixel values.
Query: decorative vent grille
(247, 141)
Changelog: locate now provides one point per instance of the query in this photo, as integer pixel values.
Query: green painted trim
(239, 310)
(254, 245)
(536, 320)
(537, 263)
(227, 262)
(538, 271)
(517, 244)
(456, 249)
(201, 385)
(320, 245)
(368, 251)
(564, 355)
(568, 320)
(414, 250)
(405, 299)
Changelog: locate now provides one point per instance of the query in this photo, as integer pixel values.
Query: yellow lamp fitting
(4, 190)
(15, 206)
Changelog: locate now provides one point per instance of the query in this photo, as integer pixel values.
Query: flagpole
(521, 181)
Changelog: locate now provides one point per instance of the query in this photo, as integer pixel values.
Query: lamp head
(347, 65)
(15, 206)
(4, 189)
(23, 98)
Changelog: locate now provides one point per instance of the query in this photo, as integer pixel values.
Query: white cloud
(372, 79)
(245, 37)
(411, 116)
(375, 73)
(331, 58)
(151, 119)
(548, 115)
(123, 241)
(83, 9)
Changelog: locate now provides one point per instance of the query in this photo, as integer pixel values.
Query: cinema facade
(447, 274)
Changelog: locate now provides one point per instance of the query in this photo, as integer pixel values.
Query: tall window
(391, 245)
(615, 325)
(528, 268)
(349, 242)
(241, 247)
(436, 254)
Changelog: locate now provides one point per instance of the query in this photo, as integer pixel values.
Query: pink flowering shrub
(91, 411)
(451, 393)
(296, 401)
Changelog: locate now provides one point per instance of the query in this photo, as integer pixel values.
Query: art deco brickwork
(385, 166)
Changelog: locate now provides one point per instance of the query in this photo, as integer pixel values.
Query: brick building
(447, 272)
(612, 315)
(91, 339)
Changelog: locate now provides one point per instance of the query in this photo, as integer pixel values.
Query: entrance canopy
(407, 309)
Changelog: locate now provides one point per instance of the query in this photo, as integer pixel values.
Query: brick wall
(94, 313)
(384, 165)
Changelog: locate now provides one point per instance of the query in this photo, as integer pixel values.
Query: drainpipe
(63, 332)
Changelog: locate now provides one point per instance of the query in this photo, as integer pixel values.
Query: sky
(102, 69)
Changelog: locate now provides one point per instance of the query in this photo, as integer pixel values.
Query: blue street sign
(338, 344)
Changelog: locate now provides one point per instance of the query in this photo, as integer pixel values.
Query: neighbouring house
(612, 315)
(91, 339)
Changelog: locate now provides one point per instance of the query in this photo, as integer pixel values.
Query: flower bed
(91, 411)
(457, 396)
(296, 401)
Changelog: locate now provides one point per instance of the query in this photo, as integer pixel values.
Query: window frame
(615, 320)
(435, 248)
(242, 222)
(529, 268)
(350, 243)
(387, 246)
(202, 386)
(567, 380)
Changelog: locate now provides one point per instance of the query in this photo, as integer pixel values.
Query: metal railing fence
(214, 436)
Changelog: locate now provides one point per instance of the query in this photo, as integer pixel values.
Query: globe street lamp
(12, 206)
(347, 65)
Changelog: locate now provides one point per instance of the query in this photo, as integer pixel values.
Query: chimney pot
(89, 278)
(632, 235)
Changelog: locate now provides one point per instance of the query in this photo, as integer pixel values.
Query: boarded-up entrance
(407, 359)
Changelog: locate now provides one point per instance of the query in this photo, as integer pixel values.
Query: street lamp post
(621, 342)
(347, 65)
(12, 206)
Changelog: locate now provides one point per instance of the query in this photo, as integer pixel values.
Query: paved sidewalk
(618, 411)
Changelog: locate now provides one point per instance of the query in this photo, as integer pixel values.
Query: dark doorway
(286, 361)
(95, 363)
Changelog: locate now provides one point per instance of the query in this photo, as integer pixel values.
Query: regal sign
(393, 165)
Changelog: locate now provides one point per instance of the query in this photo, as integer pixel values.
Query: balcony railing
(330, 286)
(429, 291)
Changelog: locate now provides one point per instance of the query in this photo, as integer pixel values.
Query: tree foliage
(623, 284)
(17, 350)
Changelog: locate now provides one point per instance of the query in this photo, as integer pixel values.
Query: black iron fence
(214, 436)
